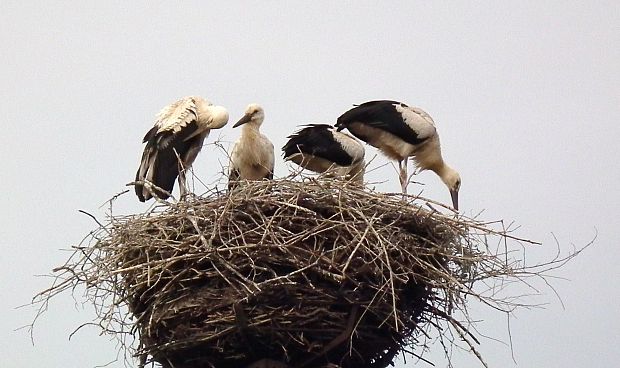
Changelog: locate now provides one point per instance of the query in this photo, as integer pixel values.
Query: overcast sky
(526, 96)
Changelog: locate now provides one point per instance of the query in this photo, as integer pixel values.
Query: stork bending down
(173, 144)
(400, 132)
(320, 148)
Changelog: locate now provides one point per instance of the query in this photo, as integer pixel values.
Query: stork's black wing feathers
(378, 102)
(163, 147)
(150, 135)
(139, 176)
(317, 140)
(381, 115)
(164, 175)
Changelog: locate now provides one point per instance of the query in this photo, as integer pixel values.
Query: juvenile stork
(252, 156)
(400, 132)
(173, 144)
(320, 148)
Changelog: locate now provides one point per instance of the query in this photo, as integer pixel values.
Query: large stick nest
(310, 273)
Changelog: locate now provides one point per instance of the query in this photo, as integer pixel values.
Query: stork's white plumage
(320, 148)
(400, 132)
(174, 142)
(252, 156)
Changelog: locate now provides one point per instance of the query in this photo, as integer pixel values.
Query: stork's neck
(250, 128)
(443, 171)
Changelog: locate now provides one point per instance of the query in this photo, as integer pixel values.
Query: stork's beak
(245, 119)
(455, 199)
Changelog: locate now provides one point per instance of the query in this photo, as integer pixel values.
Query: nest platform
(311, 273)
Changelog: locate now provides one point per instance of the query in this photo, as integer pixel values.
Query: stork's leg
(182, 184)
(182, 179)
(403, 177)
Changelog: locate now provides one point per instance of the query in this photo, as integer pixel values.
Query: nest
(307, 273)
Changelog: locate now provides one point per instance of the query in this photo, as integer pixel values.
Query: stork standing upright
(400, 132)
(320, 148)
(173, 144)
(252, 156)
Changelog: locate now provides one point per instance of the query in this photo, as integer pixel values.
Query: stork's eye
(457, 185)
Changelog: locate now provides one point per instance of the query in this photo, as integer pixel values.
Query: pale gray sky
(526, 96)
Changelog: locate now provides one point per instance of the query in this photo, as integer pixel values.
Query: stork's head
(218, 116)
(452, 179)
(254, 114)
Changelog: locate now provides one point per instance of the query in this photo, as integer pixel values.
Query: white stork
(252, 156)
(320, 148)
(400, 132)
(173, 144)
